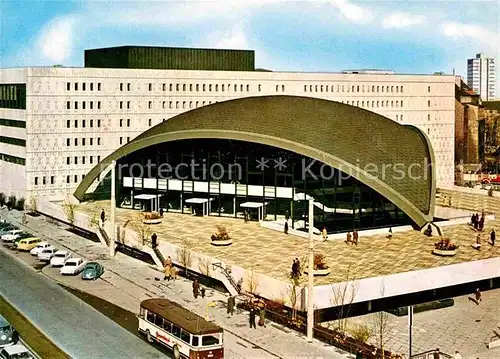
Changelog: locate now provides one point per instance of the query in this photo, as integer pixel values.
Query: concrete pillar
(310, 275)
(234, 206)
(113, 210)
(369, 305)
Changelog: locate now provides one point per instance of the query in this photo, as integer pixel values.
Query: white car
(73, 266)
(39, 247)
(11, 235)
(59, 258)
(46, 254)
(16, 351)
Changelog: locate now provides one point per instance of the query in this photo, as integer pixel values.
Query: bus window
(141, 313)
(176, 331)
(150, 317)
(167, 326)
(196, 340)
(185, 336)
(159, 321)
(207, 340)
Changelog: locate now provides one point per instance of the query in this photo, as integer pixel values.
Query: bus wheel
(177, 353)
(148, 335)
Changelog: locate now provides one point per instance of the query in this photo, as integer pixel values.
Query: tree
(343, 294)
(251, 281)
(94, 219)
(205, 266)
(294, 290)
(380, 325)
(11, 203)
(184, 254)
(142, 229)
(2, 199)
(33, 205)
(69, 207)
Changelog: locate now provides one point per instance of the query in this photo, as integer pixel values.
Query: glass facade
(13, 141)
(232, 173)
(12, 159)
(13, 96)
(12, 123)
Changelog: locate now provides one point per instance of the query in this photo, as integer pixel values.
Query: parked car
(6, 229)
(12, 234)
(72, 266)
(92, 270)
(8, 336)
(16, 351)
(39, 247)
(46, 254)
(28, 244)
(21, 236)
(59, 258)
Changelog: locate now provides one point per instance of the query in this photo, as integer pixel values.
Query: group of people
(197, 290)
(296, 271)
(257, 306)
(169, 269)
(352, 238)
(477, 222)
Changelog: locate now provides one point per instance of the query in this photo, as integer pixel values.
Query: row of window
(91, 105)
(12, 123)
(13, 96)
(12, 159)
(84, 123)
(91, 160)
(52, 179)
(91, 141)
(13, 141)
(84, 86)
(203, 87)
(355, 88)
(375, 103)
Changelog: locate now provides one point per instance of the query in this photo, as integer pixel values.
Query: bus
(187, 334)
(8, 336)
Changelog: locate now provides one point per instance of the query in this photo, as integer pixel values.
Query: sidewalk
(129, 281)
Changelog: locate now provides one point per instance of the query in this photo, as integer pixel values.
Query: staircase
(103, 236)
(227, 279)
(159, 254)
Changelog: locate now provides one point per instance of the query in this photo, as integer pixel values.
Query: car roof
(15, 349)
(74, 259)
(62, 252)
(89, 264)
(43, 244)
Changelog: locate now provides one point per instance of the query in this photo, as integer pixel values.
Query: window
(91, 159)
(98, 141)
(76, 141)
(150, 317)
(83, 105)
(67, 179)
(76, 105)
(235, 88)
(68, 142)
(176, 104)
(283, 88)
(76, 160)
(277, 88)
(216, 88)
(209, 340)
(241, 88)
(197, 87)
(36, 181)
(248, 88)
(401, 103)
(401, 89)
(401, 117)
(382, 88)
(121, 105)
(91, 89)
(190, 104)
(76, 123)
(149, 122)
(305, 88)
(183, 87)
(397, 117)
(392, 103)
(68, 86)
(373, 88)
(260, 87)
(83, 141)
(91, 105)
(185, 337)
(326, 88)
(91, 141)
(44, 181)
(128, 122)
(98, 105)
(128, 139)
(98, 123)
(68, 123)
(397, 89)
(121, 122)
(150, 87)
(121, 140)
(167, 326)
(76, 86)
(83, 160)
(190, 87)
(392, 88)
(121, 86)
(378, 88)
(176, 331)
(203, 87)
(98, 86)
(163, 104)
(170, 87)
(128, 86)
(429, 103)
(428, 117)
(357, 90)
(170, 104)
(164, 87)
(150, 105)
(428, 89)
(196, 341)
(98, 159)
(52, 177)
(196, 105)
(68, 105)
(128, 104)
(159, 321)
(177, 87)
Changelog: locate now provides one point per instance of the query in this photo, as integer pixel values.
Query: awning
(253, 204)
(198, 200)
(147, 196)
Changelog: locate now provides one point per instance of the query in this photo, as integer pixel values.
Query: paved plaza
(271, 252)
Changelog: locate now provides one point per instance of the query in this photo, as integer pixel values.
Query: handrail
(104, 235)
(227, 274)
(159, 254)
(430, 354)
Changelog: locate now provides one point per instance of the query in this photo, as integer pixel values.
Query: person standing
(103, 216)
(262, 314)
(477, 294)
(355, 237)
(324, 233)
(161, 212)
(154, 242)
(286, 227)
(294, 269)
(349, 238)
(252, 317)
(196, 288)
(436, 354)
(231, 302)
(493, 237)
(297, 267)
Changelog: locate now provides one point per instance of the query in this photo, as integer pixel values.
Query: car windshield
(91, 267)
(72, 264)
(47, 251)
(60, 255)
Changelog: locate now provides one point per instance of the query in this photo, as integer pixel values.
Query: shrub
(319, 261)
(221, 234)
(11, 203)
(361, 332)
(20, 204)
(2, 199)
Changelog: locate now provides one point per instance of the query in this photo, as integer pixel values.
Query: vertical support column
(132, 196)
(234, 206)
(113, 209)
(410, 325)
(310, 275)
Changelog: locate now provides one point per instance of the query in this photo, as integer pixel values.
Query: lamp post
(410, 325)
(310, 274)
(112, 240)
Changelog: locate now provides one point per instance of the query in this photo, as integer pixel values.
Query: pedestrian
(239, 285)
(472, 219)
(262, 314)
(202, 291)
(478, 240)
(245, 216)
(436, 354)
(154, 242)
(161, 212)
(297, 267)
(493, 237)
(103, 216)
(476, 222)
(389, 235)
(286, 227)
(252, 317)
(196, 288)
(231, 302)
(324, 233)
(349, 238)
(294, 269)
(24, 218)
(478, 296)
(480, 225)
(168, 268)
(355, 237)
(457, 355)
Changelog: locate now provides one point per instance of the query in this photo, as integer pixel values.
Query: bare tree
(69, 207)
(294, 293)
(343, 295)
(381, 325)
(33, 206)
(184, 254)
(142, 229)
(251, 281)
(94, 220)
(205, 266)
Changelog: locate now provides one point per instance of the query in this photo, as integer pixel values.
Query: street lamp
(112, 240)
(310, 274)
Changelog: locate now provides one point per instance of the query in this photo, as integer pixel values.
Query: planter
(151, 221)
(444, 253)
(220, 243)
(319, 272)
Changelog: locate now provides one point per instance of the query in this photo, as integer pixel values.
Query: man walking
(230, 305)
(252, 318)
(154, 242)
(478, 296)
(196, 288)
(493, 236)
(103, 217)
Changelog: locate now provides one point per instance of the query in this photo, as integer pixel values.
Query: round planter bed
(219, 243)
(151, 221)
(319, 272)
(443, 253)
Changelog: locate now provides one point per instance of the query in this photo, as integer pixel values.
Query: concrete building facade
(75, 117)
(481, 76)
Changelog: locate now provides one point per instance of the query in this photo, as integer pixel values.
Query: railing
(104, 235)
(159, 254)
(227, 275)
(430, 355)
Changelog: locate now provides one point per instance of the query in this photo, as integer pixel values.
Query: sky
(406, 36)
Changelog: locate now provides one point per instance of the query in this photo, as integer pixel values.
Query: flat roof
(147, 196)
(198, 200)
(253, 204)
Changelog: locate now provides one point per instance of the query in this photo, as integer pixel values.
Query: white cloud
(56, 39)
(460, 31)
(234, 39)
(399, 20)
(353, 12)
